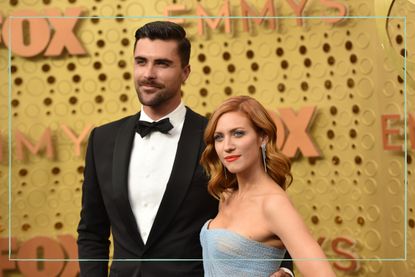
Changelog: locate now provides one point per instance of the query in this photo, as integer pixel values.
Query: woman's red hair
(278, 166)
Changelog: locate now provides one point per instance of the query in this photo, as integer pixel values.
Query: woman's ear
(264, 139)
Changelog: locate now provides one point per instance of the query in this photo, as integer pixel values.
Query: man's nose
(149, 72)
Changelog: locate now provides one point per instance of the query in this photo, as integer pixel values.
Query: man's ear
(185, 73)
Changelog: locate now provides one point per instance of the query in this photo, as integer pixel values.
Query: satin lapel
(181, 175)
(121, 161)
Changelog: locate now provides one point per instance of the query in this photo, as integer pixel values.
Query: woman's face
(237, 144)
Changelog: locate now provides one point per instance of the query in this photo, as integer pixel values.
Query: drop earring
(264, 156)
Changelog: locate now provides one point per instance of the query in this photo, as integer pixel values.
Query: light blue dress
(226, 253)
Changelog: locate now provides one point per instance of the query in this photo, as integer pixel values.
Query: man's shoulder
(192, 115)
(114, 125)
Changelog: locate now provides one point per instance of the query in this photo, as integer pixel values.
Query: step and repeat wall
(331, 72)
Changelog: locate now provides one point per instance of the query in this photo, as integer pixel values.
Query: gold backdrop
(350, 191)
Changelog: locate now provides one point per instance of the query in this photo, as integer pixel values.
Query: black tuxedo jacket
(185, 207)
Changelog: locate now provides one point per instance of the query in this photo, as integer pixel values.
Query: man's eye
(162, 64)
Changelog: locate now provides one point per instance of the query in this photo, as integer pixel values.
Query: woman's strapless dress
(226, 253)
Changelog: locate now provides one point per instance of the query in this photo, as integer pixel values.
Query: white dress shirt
(150, 167)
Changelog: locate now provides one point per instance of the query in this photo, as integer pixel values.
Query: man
(143, 181)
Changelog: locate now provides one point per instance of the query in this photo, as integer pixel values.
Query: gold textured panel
(354, 190)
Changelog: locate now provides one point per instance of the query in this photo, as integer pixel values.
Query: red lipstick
(232, 158)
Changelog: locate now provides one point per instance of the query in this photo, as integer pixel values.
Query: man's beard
(157, 99)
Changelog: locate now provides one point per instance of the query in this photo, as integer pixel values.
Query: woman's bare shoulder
(277, 201)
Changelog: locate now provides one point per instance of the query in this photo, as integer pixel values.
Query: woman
(256, 221)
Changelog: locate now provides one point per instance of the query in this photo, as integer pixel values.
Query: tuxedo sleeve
(288, 262)
(94, 226)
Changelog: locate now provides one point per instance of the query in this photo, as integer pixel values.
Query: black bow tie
(144, 127)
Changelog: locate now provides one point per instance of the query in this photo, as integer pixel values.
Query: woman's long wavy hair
(278, 165)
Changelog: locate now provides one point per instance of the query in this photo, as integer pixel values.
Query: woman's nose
(229, 145)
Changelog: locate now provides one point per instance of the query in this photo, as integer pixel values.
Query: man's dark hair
(166, 30)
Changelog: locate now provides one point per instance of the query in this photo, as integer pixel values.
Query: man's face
(158, 73)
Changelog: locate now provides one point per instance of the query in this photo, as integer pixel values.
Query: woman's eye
(217, 137)
(239, 133)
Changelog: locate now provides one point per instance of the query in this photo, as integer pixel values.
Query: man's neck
(155, 113)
